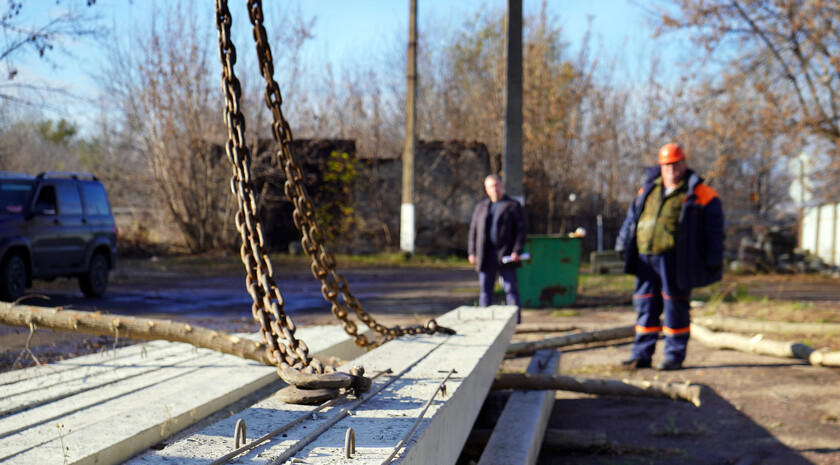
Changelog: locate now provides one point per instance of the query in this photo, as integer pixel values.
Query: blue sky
(344, 28)
(347, 31)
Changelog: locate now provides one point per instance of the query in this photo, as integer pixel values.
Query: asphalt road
(169, 294)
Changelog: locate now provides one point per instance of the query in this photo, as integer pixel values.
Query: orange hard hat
(670, 153)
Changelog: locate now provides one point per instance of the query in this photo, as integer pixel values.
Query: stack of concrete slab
(108, 408)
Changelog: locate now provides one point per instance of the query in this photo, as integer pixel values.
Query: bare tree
(29, 151)
(170, 100)
(68, 21)
(786, 50)
(556, 94)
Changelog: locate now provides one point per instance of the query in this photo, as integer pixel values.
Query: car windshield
(14, 195)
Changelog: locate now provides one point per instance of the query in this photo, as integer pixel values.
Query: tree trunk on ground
(759, 345)
(544, 328)
(739, 325)
(527, 348)
(756, 345)
(626, 387)
(556, 439)
(826, 359)
(573, 439)
(133, 328)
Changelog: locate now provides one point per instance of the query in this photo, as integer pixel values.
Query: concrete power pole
(512, 157)
(407, 230)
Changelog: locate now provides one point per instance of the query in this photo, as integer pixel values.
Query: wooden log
(625, 387)
(760, 345)
(529, 347)
(555, 439)
(574, 439)
(740, 325)
(123, 326)
(826, 359)
(544, 328)
(756, 345)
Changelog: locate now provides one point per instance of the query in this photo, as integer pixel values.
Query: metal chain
(267, 308)
(334, 286)
(268, 304)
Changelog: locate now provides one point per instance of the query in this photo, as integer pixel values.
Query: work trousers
(490, 271)
(657, 291)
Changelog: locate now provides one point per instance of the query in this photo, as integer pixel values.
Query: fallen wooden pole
(556, 439)
(544, 328)
(760, 345)
(757, 344)
(131, 327)
(625, 387)
(753, 326)
(529, 347)
(574, 439)
(826, 359)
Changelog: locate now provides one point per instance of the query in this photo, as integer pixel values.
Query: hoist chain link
(334, 287)
(267, 308)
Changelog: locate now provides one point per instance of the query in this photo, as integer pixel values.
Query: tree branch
(131, 327)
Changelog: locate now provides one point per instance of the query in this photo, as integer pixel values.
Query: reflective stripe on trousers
(657, 292)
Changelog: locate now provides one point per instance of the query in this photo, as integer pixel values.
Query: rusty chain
(267, 306)
(268, 303)
(334, 286)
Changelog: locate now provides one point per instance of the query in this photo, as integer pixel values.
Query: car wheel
(12, 278)
(95, 281)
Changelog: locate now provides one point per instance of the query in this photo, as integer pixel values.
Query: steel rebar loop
(440, 389)
(349, 443)
(225, 458)
(239, 437)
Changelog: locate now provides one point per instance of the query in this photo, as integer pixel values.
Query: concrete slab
(50, 387)
(519, 433)
(386, 414)
(112, 408)
(11, 377)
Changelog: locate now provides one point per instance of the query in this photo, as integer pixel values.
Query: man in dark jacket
(497, 237)
(673, 239)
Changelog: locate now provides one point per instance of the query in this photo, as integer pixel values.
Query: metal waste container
(550, 277)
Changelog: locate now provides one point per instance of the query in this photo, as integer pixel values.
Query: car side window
(69, 200)
(13, 196)
(95, 200)
(45, 204)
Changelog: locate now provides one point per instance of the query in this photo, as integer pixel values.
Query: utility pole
(407, 229)
(512, 157)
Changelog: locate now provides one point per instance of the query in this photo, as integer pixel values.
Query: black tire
(95, 281)
(12, 278)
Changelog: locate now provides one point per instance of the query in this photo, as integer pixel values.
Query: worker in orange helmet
(673, 238)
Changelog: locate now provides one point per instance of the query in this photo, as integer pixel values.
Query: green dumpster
(550, 277)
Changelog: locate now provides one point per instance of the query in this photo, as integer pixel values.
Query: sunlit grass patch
(604, 285)
(565, 312)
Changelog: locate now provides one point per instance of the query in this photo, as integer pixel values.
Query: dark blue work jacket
(700, 233)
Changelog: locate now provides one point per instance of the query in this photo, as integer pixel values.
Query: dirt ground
(755, 409)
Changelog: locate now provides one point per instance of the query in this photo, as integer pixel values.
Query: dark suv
(55, 224)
